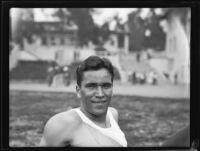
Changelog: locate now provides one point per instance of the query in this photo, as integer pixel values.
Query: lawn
(145, 121)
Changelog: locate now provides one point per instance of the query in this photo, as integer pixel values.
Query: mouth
(99, 102)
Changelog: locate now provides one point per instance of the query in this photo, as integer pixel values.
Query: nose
(100, 92)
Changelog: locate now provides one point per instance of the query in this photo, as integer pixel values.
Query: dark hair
(93, 63)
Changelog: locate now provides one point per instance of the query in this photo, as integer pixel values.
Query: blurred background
(150, 51)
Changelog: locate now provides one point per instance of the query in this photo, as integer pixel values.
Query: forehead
(96, 76)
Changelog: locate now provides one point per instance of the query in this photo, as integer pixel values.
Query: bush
(37, 70)
(33, 70)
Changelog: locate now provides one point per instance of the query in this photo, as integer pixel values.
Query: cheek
(87, 94)
(108, 93)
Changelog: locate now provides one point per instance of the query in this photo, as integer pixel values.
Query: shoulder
(63, 118)
(114, 112)
(181, 138)
(60, 127)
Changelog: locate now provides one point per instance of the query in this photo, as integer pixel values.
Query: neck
(99, 120)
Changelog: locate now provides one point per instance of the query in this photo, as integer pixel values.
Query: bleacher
(130, 65)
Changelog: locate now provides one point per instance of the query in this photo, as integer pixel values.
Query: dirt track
(161, 91)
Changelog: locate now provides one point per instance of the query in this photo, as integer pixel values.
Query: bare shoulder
(60, 128)
(114, 113)
(61, 119)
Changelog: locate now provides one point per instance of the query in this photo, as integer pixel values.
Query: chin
(100, 111)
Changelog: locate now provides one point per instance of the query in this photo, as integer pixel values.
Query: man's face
(95, 92)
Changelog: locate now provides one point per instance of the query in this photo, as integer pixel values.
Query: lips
(99, 102)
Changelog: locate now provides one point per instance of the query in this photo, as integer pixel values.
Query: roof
(55, 26)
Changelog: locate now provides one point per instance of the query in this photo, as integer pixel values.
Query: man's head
(94, 85)
(93, 63)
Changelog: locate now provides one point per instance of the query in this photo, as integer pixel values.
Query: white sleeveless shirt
(113, 132)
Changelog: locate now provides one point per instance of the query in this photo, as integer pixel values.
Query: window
(44, 40)
(53, 40)
(62, 41)
(120, 40)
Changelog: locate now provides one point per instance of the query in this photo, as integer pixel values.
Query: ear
(112, 92)
(78, 91)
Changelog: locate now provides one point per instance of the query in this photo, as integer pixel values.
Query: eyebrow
(96, 84)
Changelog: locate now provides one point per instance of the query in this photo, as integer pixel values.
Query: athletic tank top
(113, 132)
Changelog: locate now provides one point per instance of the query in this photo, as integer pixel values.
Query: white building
(178, 44)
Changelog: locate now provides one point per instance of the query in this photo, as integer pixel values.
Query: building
(176, 23)
(119, 39)
(50, 38)
(56, 36)
(56, 33)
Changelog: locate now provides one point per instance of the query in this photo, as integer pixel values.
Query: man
(94, 123)
(55, 69)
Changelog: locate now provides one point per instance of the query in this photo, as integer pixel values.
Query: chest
(87, 136)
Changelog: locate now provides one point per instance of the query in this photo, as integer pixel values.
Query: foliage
(137, 30)
(181, 12)
(37, 71)
(24, 26)
(81, 17)
(87, 29)
(157, 38)
(138, 26)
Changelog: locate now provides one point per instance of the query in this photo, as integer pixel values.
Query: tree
(138, 27)
(87, 29)
(137, 30)
(21, 25)
(181, 12)
(156, 39)
(104, 32)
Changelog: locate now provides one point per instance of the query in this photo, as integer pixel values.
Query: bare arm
(59, 130)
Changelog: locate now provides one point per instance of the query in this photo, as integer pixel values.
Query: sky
(102, 15)
(105, 14)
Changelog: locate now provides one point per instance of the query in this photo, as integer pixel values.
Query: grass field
(145, 121)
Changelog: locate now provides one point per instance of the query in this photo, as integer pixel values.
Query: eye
(91, 85)
(107, 85)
